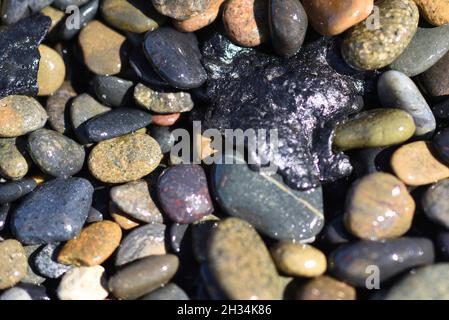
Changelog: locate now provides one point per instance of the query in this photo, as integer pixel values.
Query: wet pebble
(180, 9)
(15, 293)
(46, 262)
(57, 107)
(13, 164)
(32, 276)
(169, 292)
(86, 14)
(440, 145)
(112, 91)
(13, 263)
(51, 72)
(11, 191)
(200, 20)
(4, 210)
(121, 218)
(435, 203)
(165, 120)
(435, 80)
(434, 11)
(83, 283)
(164, 137)
(326, 288)
(176, 236)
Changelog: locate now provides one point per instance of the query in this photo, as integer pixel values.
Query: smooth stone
(93, 245)
(415, 164)
(435, 12)
(14, 10)
(241, 264)
(46, 262)
(125, 158)
(36, 292)
(55, 154)
(427, 47)
(168, 292)
(183, 193)
(132, 16)
(201, 231)
(55, 15)
(164, 137)
(440, 110)
(121, 218)
(161, 101)
(288, 26)
(180, 9)
(440, 145)
(426, 283)
(115, 123)
(102, 48)
(15, 293)
(143, 276)
(145, 241)
(11, 191)
(144, 71)
(299, 260)
(442, 243)
(176, 236)
(32, 277)
(51, 72)
(83, 283)
(350, 262)
(201, 20)
(379, 206)
(335, 232)
(334, 17)
(364, 46)
(267, 203)
(4, 210)
(135, 200)
(435, 80)
(13, 164)
(374, 128)
(86, 14)
(94, 216)
(13, 263)
(20, 115)
(326, 288)
(175, 56)
(435, 203)
(112, 91)
(63, 4)
(396, 90)
(55, 211)
(165, 120)
(57, 107)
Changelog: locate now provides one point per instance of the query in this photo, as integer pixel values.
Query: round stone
(374, 128)
(46, 262)
(364, 46)
(435, 12)
(93, 245)
(32, 277)
(435, 203)
(13, 164)
(440, 145)
(125, 158)
(299, 260)
(165, 120)
(57, 105)
(180, 9)
(168, 292)
(240, 263)
(379, 206)
(83, 283)
(200, 20)
(13, 263)
(326, 288)
(415, 164)
(20, 115)
(51, 72)
(11, 191)
(112, 91)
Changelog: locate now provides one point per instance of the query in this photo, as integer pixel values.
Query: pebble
(13, 10)
(326, 288)
(241, 264)
(165, 120)
(143, 276)
(123, 220)
(132, 16)
(435, 12)
(396, 90)
(55, 154)
(427, 47)
(374, 128)
(83, 108)
(125, 158)
(13, 165)
(94, 216)
(46, 262)
(180, 9)
(175, 56)
(102, 48)
(162, 102)
(86, 14)
(93, 245)
(112, 91)
(20, 115)
(32, 277)
(440, 145)
(183, 193)
(55, 211)
(168, 292)
(435, 205)
(364, 46)
(246, 22)
(201, 231)
(57, 107)
(55, 15)
(144, 71)
(164, 137)
(350, 262)
(135, 200)
(298, 260)
(142, 242)
(4, 210)
(15, 293)
(13, 263)
(51, 72)
(415, 164)
(378, 206)
(83, 283)
(441, 110)
(11, 191)
(176, 236)
(200, 20)
(434, 80)
(426, 283)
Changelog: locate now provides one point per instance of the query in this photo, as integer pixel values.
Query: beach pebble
(83, 283)
(326, 288)
(13, 164)
(112, 91)
(435, 12)
(57, 107)
(46, 262)
(13, 263)
(51, 72)
(180, 9)
(11, 191)
(168, 292)
(434, 80)
(435, 203)
(200, 20)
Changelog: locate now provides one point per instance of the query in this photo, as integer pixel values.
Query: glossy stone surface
(326, 288)
(200, 20)
(51, 72)
(169, 292)
(13, 11)
(11, 191)
(112, 91)
(162, 102)
(434, 80)
(435, 203)
(86, 13)
(440, 145)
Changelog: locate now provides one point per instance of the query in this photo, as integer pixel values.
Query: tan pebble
(54, 14)
(13, 263)
(326, 288)
(126, 223)
(201, 20)
(435, 12)
(13, 164)
(51, 71)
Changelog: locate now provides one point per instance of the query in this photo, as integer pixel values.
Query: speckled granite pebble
(47, 264)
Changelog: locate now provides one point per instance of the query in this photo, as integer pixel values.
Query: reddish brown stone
(165, 120)
(201, 20)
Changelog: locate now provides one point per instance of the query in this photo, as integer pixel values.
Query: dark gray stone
(112, 91)
(11, 191)
(163, 136)
(169, 292)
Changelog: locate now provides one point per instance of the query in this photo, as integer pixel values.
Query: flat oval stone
(200, 20)
(13, 164)
(11, 191)
(165, 119)
(180, 9)
(46, 262)
(102, 48)
(288, 26)
(427, 47)
(144, 71)
(378, 206)
(93, 245)
(57, 107)
(13, 263)
(334, 17)
(440, 145)
(374, 128)
(175, 57)
(135, 200)
(415, 164)
(86, 14)
(267, 203)
(20, 115)
(83, 283)
(435, 203)
(364, 46)
(55, 154)
(396, 90)
(326, 288)
(125, 158)
(246, 21)
(143, 276)
(51, 71)
(183, 193)
(168, 292)
(435, 12)
(241, 264)
(145, 241)
(112, 91)
(55, 211)
(350, 262)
